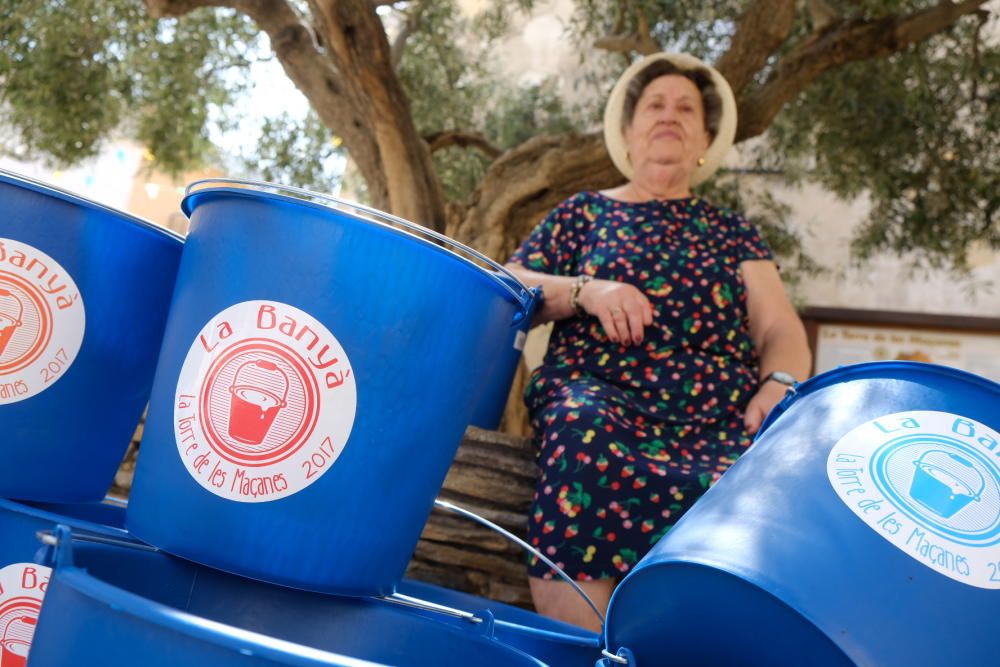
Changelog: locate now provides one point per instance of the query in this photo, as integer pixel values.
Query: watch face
(783, 378)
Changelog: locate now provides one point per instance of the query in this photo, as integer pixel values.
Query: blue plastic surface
(419, 325)
(496, 386)
(108, 605)
(19, 523)
(772, 567)
(64, 443)
(553, 642)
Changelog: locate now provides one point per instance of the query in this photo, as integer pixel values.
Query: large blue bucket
(826, 544)
(84, 293)
(319, 369)
(116, 606)
(22, 581)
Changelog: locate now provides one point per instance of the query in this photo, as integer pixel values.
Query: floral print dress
(630, 436)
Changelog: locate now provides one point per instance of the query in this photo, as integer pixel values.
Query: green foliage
(919, 133)
(449, 72)
(75, 72)
(278, 155)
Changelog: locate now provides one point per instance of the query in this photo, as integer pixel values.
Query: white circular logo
(22, 588)
(929, 482)
(41, 321)
(265, 402)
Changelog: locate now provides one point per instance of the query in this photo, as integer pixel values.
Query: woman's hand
(623, 309)
(768, 395)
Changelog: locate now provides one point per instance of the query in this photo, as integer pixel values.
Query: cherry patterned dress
(631, 436)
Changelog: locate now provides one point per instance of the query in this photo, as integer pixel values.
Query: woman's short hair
(711, 102)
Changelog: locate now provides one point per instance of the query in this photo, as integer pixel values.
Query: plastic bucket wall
(496, 385)
(118, 606)
(553, 642)
(84, 293)
(816, 540)
(22, 581)
(374, 341)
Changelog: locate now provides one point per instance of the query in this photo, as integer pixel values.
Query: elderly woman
(673, 337)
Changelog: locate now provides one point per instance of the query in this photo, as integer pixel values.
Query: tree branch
(524, 183)
(845, 41)
(442, 140)
(358, 45)
(764, 27)
(411, 24)
(296, 46)
(641, 41)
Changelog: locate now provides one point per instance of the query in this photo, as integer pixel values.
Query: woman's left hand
(768, 395)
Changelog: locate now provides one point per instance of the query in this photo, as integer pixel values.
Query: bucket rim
(871, 370)
(750, 577)
(827, 377)
(250, 189)
(13, 178)
(214, 632)
(55, 518)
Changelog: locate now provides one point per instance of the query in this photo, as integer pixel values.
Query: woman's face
(668, 127)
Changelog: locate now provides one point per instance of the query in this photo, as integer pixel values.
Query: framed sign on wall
(840, 337)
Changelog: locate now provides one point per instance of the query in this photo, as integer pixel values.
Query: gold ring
(615, 311)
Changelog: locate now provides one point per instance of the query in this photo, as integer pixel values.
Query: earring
(701, 160)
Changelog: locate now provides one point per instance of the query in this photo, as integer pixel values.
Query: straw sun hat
(615, 140)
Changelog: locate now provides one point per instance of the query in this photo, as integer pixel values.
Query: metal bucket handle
(425, 605)
(445, 505)
(523, 295)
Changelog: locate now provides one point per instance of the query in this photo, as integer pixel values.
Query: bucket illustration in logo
(11, 312)
(17, 627)
(945, 483)
(259, 403)
(25, 324)
(258, 391)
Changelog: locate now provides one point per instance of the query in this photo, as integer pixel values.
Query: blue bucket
(320, 366)
(22, 581)
(825, 544)
(496, 385)
(111, 605)
(84, 294)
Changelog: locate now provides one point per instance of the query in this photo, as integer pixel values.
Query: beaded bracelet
(574, 294)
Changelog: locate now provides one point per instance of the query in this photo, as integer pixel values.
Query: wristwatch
(781, 377)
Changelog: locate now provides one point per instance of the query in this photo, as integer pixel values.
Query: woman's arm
(624, 311)
(555, 289)
(777, 333)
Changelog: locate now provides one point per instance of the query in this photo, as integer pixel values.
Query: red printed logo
(22, 587)
(41, 321)
(265, 402)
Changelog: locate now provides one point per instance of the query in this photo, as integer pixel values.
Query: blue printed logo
(943, 484)
(929, 483)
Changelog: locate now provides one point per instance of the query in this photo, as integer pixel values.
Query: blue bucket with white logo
(862, 527)
(84, 294)
(23, 582)
(321, 363)
(110, 605)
